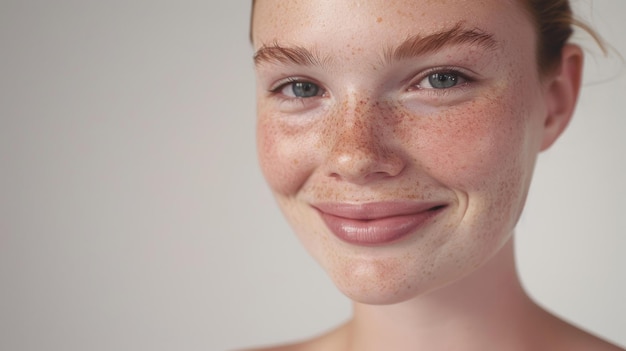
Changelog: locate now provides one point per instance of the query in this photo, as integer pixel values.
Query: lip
(377, 223)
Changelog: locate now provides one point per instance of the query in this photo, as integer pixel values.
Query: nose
(363, 149)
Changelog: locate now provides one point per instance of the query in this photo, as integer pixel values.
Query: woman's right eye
(300, 89)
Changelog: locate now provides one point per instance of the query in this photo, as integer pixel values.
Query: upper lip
(376, 210)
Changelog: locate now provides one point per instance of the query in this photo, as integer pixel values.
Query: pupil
(305, 89)
(442, 81)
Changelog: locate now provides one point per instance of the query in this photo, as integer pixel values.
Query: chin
(399, 276)
(379, 298)
(388, 281)
(386, 291)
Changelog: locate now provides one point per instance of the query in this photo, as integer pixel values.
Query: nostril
(437, 208)
(365, 165)
(381, 175)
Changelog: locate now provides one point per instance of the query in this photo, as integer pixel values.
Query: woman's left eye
(442, 80)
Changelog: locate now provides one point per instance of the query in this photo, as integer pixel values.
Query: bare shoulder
(333, 340)
(593, 343)
(575, 339)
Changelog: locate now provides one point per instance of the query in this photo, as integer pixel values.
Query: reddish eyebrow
(413, 46)
(298, 55)
(417, 45)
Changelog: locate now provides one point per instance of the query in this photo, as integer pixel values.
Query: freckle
(379, 19)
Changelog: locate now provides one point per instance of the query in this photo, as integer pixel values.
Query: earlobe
(562, 94)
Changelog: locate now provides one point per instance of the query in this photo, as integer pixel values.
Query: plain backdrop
(133, 215)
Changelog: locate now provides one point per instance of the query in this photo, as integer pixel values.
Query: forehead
(364, 24)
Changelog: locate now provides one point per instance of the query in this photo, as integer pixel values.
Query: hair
(554, 23)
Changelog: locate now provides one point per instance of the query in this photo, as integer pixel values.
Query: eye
(304, 89)
(442, 80)
(299, 89)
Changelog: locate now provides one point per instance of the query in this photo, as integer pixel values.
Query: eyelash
(278, 88)
(294, 103)
(466, 80)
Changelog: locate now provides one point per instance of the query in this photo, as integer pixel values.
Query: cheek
(485, 151)
(284, 153)
(469, 145)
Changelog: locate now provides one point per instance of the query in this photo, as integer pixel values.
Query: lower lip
(377, 231)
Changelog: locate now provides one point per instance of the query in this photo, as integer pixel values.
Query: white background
(133, 215)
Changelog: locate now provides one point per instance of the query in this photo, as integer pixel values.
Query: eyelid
(293, 104)
(282, 83)
(467, 75)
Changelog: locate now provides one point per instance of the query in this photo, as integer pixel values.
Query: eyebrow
(413, 46)
(418, 45)
(275, 53)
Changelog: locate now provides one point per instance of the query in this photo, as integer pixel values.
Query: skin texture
(376, 131)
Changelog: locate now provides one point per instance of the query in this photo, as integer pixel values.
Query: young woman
(399, 139)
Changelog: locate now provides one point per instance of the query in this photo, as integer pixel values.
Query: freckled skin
(376, 133)
(368, 140)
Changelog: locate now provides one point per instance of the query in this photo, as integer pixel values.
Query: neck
(486, 310)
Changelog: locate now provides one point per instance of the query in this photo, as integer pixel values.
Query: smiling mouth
(377, 223)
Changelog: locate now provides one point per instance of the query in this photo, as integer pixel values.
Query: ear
(562, 93)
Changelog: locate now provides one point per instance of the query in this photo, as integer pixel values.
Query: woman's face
(398, 137)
